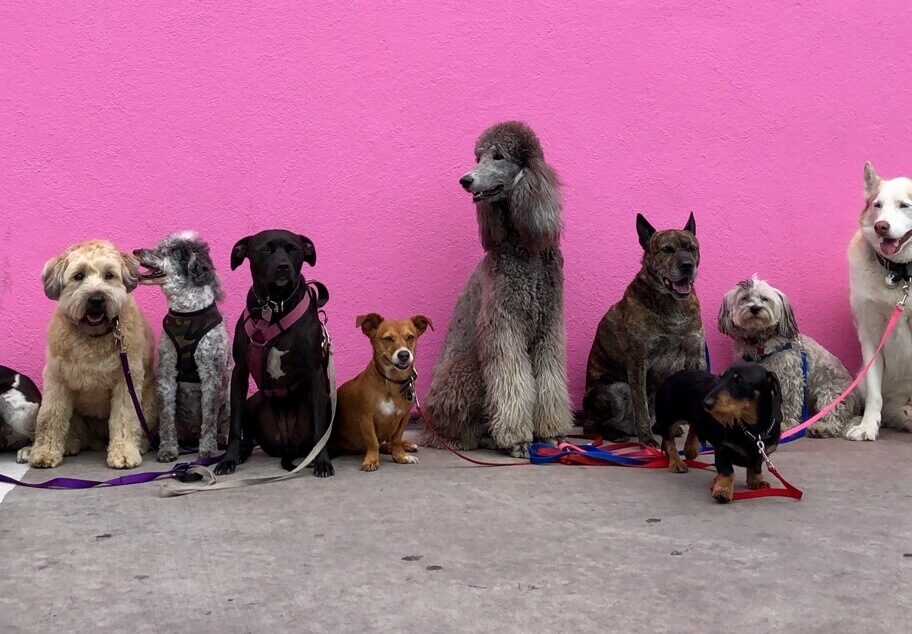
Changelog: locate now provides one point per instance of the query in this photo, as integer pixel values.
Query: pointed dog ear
(52, 276)
(129, 271)
(644, 231)
(368, 323)
(239, 252)
(691, 225)
(310, 252)
(871, 180)
(421, 324)
(773, 397)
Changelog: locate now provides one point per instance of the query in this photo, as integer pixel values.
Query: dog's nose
(466, 181)
(136, 252)
(755, 310)
(709, 403)
(403, 355)
(96, 301)
(283, 267)
(881, 227)
(686, 267)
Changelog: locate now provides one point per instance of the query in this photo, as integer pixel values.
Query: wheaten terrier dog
(86, 401)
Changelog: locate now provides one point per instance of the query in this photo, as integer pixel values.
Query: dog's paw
(677, 466)
(123, 456)
(723, 489)
(822, 430)
(409, 446)
(757, 481)
(225, 467)
(862, 430)
(168, 454)
(519, 450)
(370, 463)
(406, 459)
(649, 441)
(207, 449)
(22, 456)
(554, 441)
(324, 468)
(72, 446)
(615, 435)
(44, 458)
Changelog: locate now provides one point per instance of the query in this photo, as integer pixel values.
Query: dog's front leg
(53, 424)
(321, 418)
(552, 417)
(398, 447)
(868, 426)
(166, 389)
(210, 404)
(636, 376)
(124, 430)
(240, 381)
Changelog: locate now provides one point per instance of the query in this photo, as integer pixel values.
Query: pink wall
(352, 122)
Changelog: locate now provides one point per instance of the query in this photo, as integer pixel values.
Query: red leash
(480, 463)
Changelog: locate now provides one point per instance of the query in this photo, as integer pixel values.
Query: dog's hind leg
(454, 404)
(552, 417)
(608, 412)
(636, 374)
(52, 426)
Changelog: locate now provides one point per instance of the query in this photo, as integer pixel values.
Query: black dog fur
(716, 408)
(285, 427)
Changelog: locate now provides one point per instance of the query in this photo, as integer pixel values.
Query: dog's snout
(466, 181)
(708, 403)
(403, 355)
(686, 266)
(755, 310)
(96, 301)
(283, 267)
(137, 252)
(882, 227)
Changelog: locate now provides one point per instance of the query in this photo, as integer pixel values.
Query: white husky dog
(880, 264)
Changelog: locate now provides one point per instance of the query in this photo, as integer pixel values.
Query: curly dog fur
(86, 403)
(501, 379)
(761, 321)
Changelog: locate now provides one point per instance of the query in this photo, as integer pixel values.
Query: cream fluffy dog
(86, 402)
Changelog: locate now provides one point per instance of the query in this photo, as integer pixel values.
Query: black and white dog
(19, 402)
(193, 351)
(279, 342)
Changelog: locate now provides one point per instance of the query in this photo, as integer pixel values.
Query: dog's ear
(871, 180)
(198, 270)
(726, 320)
(310, 252)
(129, 271)
(368, 323)
(421, 324)
(644, 231)
(691, 225)
(788, 325)
(535, 205)
(772, 399)
(239, 252)
(52, 276)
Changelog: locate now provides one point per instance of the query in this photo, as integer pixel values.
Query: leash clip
(902, 302)
(762, 449)
(119, 340)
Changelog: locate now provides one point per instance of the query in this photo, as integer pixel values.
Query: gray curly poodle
(761, 321)
(501, 379)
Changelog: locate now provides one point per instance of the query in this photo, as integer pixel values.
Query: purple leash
(178, 471)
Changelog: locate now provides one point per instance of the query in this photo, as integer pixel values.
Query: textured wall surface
(352, 122)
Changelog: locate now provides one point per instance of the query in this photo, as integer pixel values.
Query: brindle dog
(653, 332)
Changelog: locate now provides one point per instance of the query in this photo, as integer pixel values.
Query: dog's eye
(265, 249)
(668, 250)
(292, 249)
(903, 205)
(388, 339)
(411, 338)
(498, 156)
(878, 204)
(79, 277)
(692, 248)
(109, 276)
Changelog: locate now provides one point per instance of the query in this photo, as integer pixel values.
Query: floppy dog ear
(52, 277)
(422, 323)
(726, 320)
(239, 252)
(368, 323)
(644, 231)
(691, 225)
(788, 325)
(535, 205)
(772, 399)
(129, 271)
(871, 180)
(310, 252)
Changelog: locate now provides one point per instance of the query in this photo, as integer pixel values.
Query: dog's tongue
(889, 246)
(95, 319)
(682, 286)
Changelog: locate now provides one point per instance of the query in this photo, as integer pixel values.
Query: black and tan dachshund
(731, 413)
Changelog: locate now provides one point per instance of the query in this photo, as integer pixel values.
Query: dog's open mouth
(889, 246)
(151, 273)
(680, 289)
(487, 194)
(95, 318)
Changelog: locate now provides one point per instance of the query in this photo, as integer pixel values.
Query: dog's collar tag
(266, 313)
(891, 280)
(761, 350)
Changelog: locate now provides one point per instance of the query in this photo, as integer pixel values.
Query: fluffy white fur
(86, 402)
(887, 387)
(760, 319)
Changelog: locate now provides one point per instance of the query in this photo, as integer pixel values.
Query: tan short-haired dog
(86, 402)
(374, 407)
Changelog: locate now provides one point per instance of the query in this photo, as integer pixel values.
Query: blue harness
(805, 407)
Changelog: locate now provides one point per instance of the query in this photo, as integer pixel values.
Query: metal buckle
(119, 341)
(902, 302)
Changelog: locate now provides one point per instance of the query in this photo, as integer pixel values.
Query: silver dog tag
(266, 313)
(891, 280)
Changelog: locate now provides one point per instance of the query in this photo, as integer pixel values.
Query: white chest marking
(387, 407)
(274, 363)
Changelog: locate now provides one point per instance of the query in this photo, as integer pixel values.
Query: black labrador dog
(279, 342)
(731, 412)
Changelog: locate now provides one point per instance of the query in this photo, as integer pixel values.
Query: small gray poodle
(501, 379)
(194, 364)
(761, 321)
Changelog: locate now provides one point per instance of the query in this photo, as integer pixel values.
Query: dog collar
(895, 270)
(763, 354)
(268, 307)
(756, 437)
(408, 384)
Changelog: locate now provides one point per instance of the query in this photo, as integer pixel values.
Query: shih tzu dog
(761, 321)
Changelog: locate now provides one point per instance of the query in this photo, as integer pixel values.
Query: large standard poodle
(501, 379)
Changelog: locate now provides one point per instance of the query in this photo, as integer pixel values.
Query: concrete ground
(447, 547)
